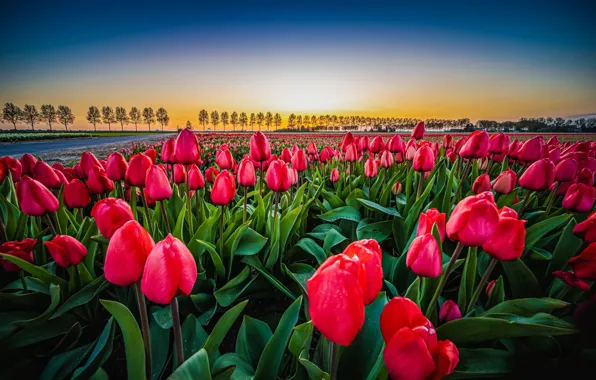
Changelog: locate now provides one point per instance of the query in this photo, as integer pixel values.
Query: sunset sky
(436, 60)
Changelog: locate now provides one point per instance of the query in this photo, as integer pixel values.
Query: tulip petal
(407, 357)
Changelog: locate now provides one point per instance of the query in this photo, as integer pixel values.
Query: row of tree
(48, 114)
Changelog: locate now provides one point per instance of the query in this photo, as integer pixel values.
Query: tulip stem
(420, 185)
(198, 206)
(443, 280)
(483, 280)
(50, 224)
(551, 200)
(164, 214)
(463, 177)
(141, 304)
(260, 178)
(22, 276)
(146, 208)
(188, 203)
(221, 231)
(177, 331)
(525, 202)
(333, 348)
(489, 165)
(245, 203)
(2, 230)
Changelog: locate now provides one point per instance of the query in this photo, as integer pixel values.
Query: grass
(21, 136)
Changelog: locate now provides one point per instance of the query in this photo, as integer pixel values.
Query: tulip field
(302, 256)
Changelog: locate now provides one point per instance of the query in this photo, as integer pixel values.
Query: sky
(482, 60)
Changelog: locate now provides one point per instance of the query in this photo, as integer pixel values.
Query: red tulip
(584, 264)
(424, 159)
(459, 144)
(418, 131)
(13, 166)
(126, 254)
(179, 174)
(312, 149)
(351, 153)
(490, 286)
(28, 163)
(539, 176)
(157, 185)
(481, 184)
(363, 143)
(278, 176)
(195, 178)
(412, 350)
(137, 170)
(370, 168)
(447, 141)
(498, 144)
(474, 220)
(424, 256)
(386, 159)
(395, 145)
(508, 241)
(428, 219)
(224, 159)
(34, 198)
(587, 229)
(334, 176)
(572, 280)
(347, 140)
(211, 173)
(299, 161)
(377, 145)
(335, 295)
(260, 150)
(110, 214)
(566, 170)
(47, 176)
(66, 250)
(368, 252)
(186, 150)
(88, 162)
(76, 194)
(530, 151)
(586, 176)
(579, 198)
(21, 249)
(170, 270)
(411, 148)
(476, 146)
(396, 189)
(224, 188)
(449, 312)
(116, 167)
(98, 182)
(286, 155)
(168, 151)
(505, 182)
(246, 173)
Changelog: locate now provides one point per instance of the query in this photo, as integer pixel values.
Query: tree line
(50, 115)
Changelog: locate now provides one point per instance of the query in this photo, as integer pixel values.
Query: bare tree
(162, 117)
(268, 120)
(12, 114)
(253, 121)
(30, 115)
(243, 120)
(121, 116)
(135, 117)
(234, 120)
(48, 114)
(214, 119)
(65, 116)
(225, 119)
(204, 118)
(148, 117)
(260, 119)
(93, 116)
(277, 121)
(108, 116)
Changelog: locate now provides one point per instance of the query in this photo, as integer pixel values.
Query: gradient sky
(447, 59)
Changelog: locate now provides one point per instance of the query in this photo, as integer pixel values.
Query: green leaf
(413, 292)
(274, 350)
(540, 229)
(222, 327)
(311, 247)
(314, 372)
(227, 294)
(179, 224)
(378, 231)
(377, 207)
(333, 199)
(133, 340)
(526, 307)
(483, 362)
(55, 300)
(194, 336)
(345, 213)
(160, 346)
(215, 258)
(480, 329)
(522, 281)
(36, 334)
(61, 365)
(35, 270)
(566, 248)
(252, 339)
(287, 224)
(102, 350)
(83, 296)
(195, 367)
(301, 338)
(466, 287)
(332, 239)
(497, 294)
(414, 211)
(254, 262)
(251, 242)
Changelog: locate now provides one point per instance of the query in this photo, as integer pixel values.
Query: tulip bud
(586, 177)
(76, 194)
(347, 140)
(224, 159)
(312, 149)
(88, 162)
(584, 264)
(579, 198)
(170, 270)
(278, 176)
(505, 182)
(13, 166)
(508, 241)
(411, 148)
(424, 159)
(116, 167)
(187, 148)
(428, 219)
(363, 143)
(334, 176)
(351, 153)
(260, 150)
(126, 254)
(565, 170)
(424, 256)
(449, 312)
(476, 146)
(481, 184)
(396, 188)
(286, 155)
(370, 168)
(34, 198)
(28, 163)
(110, 214)
(368, 252)
(66, 250)
(530, 151)
(157, 185)
(447, 141)
(21, 249)
(386, 159)
(224, 189)
(246, 173)
(137, 170)
(572, 280)
(47, 176)
(498, 144)
(299, 161)
(395, 145)
(179, 174)
(418, 131)
(211, 173)
(539, 176)
(377, 145)
(474, 220)
(195, 178)
(490, 286)
(168, 150)
(98, 182)
(587, 229)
